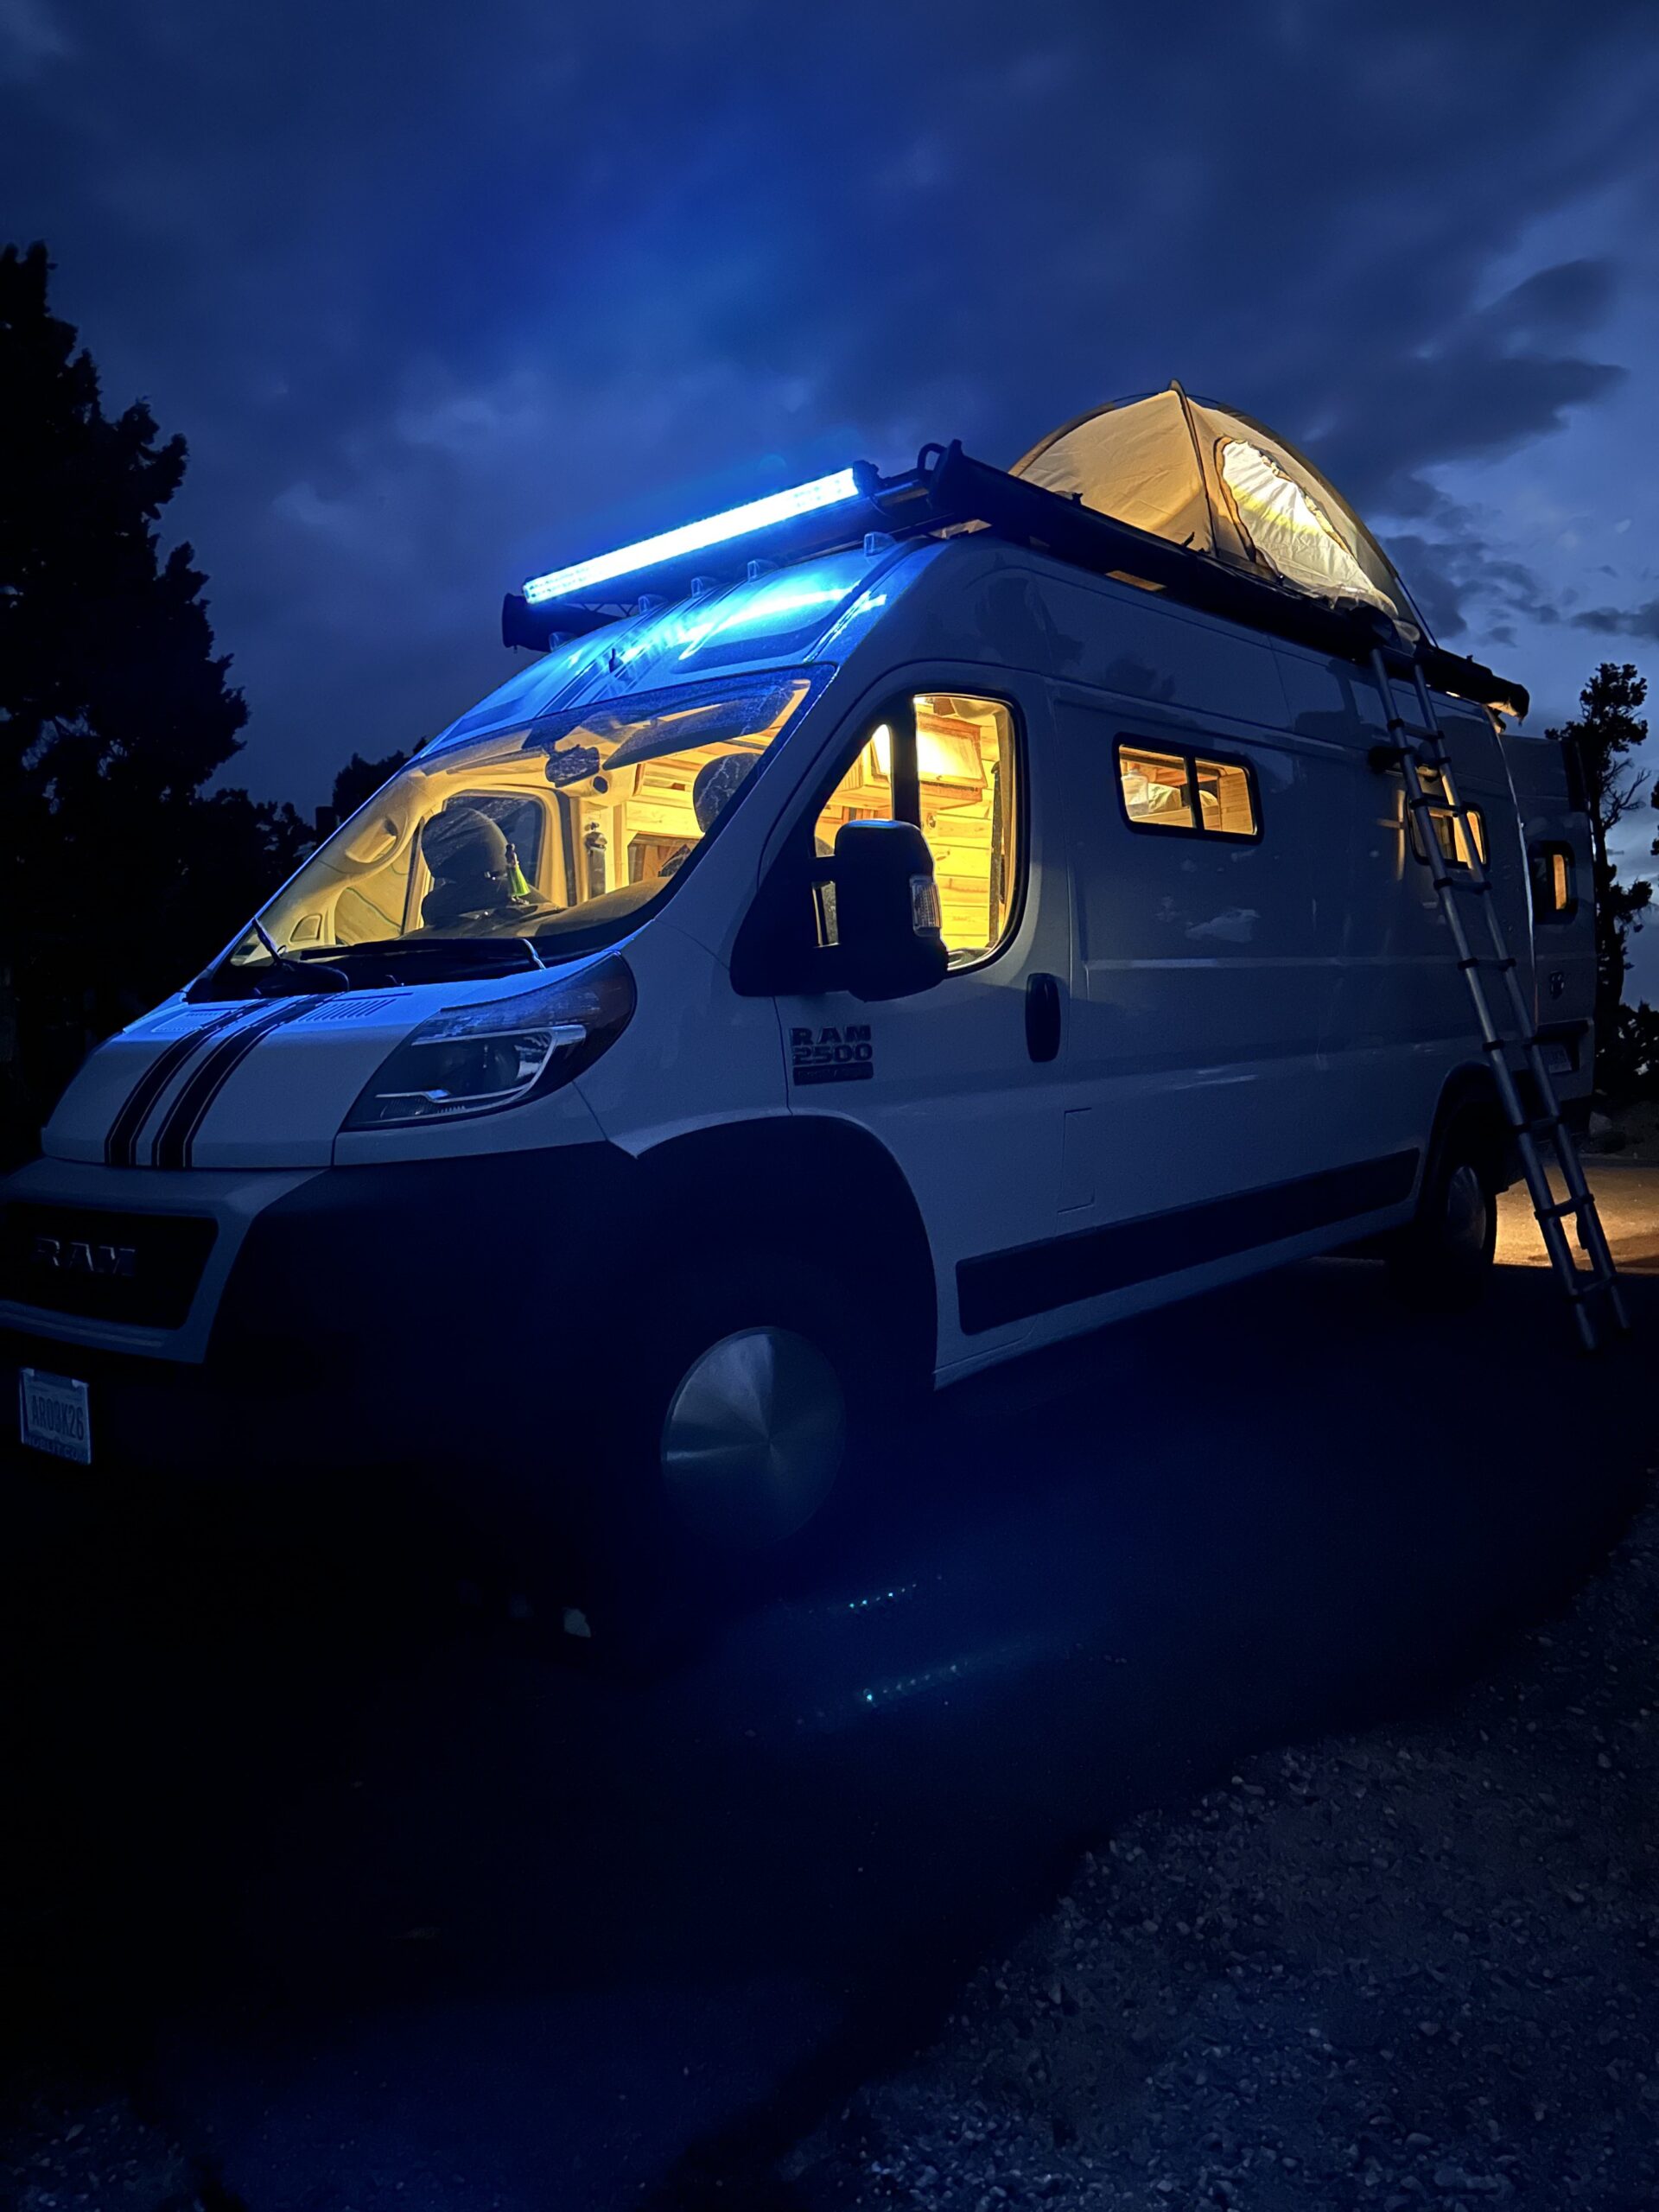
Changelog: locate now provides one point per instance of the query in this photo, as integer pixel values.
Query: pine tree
(1607, 732)
(359, 780)
(117, 877)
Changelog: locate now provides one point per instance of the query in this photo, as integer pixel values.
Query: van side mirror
(888, 922)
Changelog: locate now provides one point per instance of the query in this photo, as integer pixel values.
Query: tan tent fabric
(1204, 477)
(1290, 527)
(1144, 454)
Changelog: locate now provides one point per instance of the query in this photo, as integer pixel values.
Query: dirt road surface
(1627, 1198)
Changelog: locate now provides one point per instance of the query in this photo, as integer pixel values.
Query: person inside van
(712, 792)
(474, 873)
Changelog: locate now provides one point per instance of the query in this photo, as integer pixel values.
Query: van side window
(1186, 791)
(1156, 791)
(1554, 883)
(1448, 832)
(1226, 802)
(968, 803)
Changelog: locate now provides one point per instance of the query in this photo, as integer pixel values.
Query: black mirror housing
(888, 927)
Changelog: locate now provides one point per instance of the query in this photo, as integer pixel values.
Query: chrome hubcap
(753, 1440)
(1466, 1212)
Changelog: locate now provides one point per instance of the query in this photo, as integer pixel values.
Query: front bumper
(441, 1315)
(158, 1417)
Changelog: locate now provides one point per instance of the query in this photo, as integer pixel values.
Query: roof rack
(948, 490)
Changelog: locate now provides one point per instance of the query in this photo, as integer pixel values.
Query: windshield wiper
(313, 977)
(484, 951)
(373, 965)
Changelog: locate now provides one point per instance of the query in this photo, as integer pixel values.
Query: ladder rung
(1560, 1208)
(1523, 1079)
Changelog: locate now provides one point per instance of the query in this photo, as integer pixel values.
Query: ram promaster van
(888, 927)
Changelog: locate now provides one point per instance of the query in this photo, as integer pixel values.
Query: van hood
(251, 1084)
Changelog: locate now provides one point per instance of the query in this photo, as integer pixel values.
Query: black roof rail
(950, 490)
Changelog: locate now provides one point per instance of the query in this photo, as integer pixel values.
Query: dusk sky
(442, 298)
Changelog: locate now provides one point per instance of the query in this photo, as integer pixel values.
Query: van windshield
(516, 848)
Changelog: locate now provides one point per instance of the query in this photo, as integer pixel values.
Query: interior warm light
(598, 803)
(967, 804)
(692, 537)
(937, 756)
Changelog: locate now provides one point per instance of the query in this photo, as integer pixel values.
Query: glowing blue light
(692, 537)
(764, 612)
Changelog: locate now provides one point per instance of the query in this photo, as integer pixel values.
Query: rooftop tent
(1215, 481)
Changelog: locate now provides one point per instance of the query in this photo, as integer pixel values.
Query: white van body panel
(976, 1126)
(1256, 1035)
(706, 1057)
(1564, 945)
(283, 1102)
(86, 1112)
(1400, 1019)
(1206, 981)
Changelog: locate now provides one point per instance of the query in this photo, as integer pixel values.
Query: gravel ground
(66, 2148)
(1406, 1970)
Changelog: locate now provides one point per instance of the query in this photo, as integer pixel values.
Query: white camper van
(887, 928)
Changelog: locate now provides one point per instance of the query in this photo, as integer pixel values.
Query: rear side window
(1554, 883)
(1448, 830)
(1163, 791)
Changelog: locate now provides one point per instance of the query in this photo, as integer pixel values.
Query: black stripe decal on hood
(190, 1108)
(121, 1145)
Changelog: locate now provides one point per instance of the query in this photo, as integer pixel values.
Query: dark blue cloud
(1621, 621)
(440, 298)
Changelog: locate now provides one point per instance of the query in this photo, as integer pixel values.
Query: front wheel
(1443, 1262)
(753, 1439)
(737, 1426)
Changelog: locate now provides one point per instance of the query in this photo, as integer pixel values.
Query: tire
(1443, 1262)
(732, 1448)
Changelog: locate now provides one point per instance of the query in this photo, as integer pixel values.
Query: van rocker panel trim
(998, 1288)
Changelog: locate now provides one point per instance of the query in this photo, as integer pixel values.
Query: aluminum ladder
(1593, 1291)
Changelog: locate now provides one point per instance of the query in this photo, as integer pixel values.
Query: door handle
(1043, 1017)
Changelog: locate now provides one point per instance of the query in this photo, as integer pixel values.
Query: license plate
(53, 1415)
(1557, 1059)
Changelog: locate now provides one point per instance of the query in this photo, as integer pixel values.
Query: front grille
(142, 1268)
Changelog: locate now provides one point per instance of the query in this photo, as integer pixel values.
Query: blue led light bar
(692, 537)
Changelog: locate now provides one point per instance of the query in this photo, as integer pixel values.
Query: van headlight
(476, 1059)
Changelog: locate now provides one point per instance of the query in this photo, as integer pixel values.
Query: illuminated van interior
(531, 833)
(586, 818)
(1183, 790)
(964, 765)
(1448, 829)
